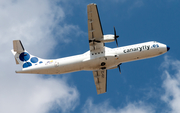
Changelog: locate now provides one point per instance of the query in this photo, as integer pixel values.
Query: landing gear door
(102, 62)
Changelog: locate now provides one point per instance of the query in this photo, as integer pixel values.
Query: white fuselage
(93, 60)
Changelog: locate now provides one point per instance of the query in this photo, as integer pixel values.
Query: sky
(58, 28)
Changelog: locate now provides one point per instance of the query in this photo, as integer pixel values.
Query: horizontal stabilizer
(17, 46)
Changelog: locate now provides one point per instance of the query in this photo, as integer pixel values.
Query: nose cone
(168, 48)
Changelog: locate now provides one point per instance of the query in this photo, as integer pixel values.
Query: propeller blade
(115, 36)
(119, 68)
(114, 31)
(116, 42)
(97, 41)
(94, 41)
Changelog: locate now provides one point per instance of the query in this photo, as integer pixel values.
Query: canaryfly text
(145, 47)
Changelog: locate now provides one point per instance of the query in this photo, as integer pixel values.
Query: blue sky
(54, 29)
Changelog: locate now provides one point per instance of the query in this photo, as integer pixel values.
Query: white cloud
(136, 4)
(171, 85)
(34, 22)
(32, 94)
(104, 107)
(171, 96)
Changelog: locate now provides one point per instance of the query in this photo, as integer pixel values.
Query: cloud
(170, 95)
(136, 4)
(171, 84)
(34, 22)
(32, 94)
(104, 107)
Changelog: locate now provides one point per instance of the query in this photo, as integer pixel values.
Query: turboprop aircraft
(98, 59)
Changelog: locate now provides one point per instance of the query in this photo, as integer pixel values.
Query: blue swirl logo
(24, 57)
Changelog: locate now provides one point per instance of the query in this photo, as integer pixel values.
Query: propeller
(119, 68)
(115, 36)
(94, 41)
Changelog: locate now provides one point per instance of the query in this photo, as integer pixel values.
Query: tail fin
(17, 46)
(22, 57)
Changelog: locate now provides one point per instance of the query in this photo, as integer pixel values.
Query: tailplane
(22, 57)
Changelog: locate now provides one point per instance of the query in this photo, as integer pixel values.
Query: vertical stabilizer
(17, 46)
(24, 58)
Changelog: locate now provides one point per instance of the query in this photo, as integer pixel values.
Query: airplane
(98, 59)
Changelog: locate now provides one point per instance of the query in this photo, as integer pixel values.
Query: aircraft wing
(95, 31)
(100, 79)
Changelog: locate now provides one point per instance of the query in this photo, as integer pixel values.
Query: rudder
(17, 46)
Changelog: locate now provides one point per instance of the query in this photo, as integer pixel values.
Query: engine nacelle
(108, 38)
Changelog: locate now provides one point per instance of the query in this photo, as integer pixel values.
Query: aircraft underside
(98, 59)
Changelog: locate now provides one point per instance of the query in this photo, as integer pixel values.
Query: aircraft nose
(168, 48)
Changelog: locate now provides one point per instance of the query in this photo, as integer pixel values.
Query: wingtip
(92, 4)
